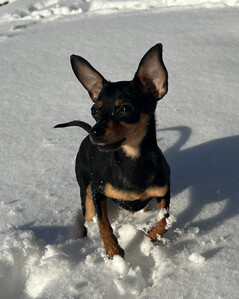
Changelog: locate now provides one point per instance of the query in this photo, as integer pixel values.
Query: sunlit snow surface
(197, 125)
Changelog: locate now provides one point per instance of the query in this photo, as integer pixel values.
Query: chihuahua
(120, 158)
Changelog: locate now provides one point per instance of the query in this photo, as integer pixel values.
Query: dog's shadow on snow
(211, 171)
(48, 234)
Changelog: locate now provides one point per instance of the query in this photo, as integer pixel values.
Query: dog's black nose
(97, 132)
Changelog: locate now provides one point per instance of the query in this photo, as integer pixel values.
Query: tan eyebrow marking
(99, 104)
(118, 103)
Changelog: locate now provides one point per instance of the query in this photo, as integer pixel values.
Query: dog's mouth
(108, 147)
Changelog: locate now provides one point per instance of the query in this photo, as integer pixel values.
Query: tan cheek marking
(118, 103)
(112, 133)
(89, 205)
(134, 136)
(112, 192)
(100, 104)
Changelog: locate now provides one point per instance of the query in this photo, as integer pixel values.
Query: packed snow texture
(197, 128)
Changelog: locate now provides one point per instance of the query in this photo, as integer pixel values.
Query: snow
(196, 258)
(197, 125)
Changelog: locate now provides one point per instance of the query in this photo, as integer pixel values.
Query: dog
(120, 158)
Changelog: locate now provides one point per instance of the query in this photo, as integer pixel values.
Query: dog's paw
(158, 230)
(113, 250)
(152, 235)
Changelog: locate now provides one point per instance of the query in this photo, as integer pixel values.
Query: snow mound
(196, 258)
(36, 270)
(19, 253)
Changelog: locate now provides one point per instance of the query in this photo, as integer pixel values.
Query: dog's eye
(125, 108)
(95, 112)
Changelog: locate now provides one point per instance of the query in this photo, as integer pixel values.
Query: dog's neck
(147, 144)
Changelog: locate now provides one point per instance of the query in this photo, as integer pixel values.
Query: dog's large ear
(152, 73)
(90, 78)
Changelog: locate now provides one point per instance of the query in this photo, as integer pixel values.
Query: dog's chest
(135, 180)
(126, 195)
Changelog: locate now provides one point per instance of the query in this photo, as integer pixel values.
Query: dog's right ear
(90, 78)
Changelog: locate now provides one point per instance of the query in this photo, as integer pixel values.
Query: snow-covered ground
(198, 125)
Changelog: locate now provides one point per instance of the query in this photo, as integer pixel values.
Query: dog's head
(123, 109)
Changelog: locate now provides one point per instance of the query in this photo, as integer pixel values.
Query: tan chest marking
(112, 192)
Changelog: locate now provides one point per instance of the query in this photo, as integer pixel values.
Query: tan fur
(99, 104)
(115, 193)
(110, 242)
(118, 103)
(132, 133)
(132, 151)
(159, 229)
(89, 205)
(135, 135)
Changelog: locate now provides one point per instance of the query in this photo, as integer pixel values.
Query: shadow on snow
(211, 171)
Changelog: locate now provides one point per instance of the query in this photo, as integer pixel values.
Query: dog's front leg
(112, 247)
(160, 228)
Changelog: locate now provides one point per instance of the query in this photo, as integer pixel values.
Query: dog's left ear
(89, 77)
(152, 73)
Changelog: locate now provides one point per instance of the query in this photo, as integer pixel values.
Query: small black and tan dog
(120, 158)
